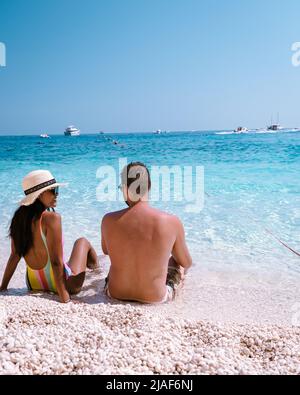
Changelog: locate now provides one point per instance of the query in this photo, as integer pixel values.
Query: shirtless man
(147, 247)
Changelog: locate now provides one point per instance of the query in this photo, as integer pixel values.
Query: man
(147, 247)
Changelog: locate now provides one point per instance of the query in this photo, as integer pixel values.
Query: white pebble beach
(94, 335)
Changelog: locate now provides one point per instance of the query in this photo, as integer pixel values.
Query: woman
(36, 236)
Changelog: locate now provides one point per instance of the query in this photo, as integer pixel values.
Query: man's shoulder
(167, 217)
(113, 215)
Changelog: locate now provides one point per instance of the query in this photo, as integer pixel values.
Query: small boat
(44, 136)
(157, 131)
(241, 129)
(72, 131)
(275, 127)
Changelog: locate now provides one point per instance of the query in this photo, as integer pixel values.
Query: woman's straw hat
(35, 183)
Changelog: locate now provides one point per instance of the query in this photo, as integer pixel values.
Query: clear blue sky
(140, 65)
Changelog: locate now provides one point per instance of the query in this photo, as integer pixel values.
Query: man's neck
(143, 202)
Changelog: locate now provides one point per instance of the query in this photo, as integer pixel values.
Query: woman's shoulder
(51, 218)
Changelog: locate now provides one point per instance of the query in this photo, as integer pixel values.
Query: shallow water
(251, 183)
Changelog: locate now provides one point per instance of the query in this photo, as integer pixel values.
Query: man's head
(136, 183)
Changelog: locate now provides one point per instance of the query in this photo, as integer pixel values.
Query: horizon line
(116, 132)
(37, 134)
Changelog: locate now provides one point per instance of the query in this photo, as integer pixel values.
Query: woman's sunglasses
(55, 191)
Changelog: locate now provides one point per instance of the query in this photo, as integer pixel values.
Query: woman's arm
(11, 266)
(55, 247)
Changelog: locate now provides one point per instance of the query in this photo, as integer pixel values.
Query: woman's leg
(83, 255)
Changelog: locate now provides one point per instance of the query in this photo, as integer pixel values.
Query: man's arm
(11, 266)
(103, 227)
(180, 250)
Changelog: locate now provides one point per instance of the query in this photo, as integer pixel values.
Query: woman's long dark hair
(20, 229)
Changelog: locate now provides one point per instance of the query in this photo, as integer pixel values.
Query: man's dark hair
(136, 171)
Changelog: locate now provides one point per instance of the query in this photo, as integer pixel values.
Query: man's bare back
(140, 241)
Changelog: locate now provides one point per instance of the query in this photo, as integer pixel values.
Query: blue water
(251, 183)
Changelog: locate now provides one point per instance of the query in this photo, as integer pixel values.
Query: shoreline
(213, 294)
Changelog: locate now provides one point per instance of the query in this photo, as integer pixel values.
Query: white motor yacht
(72, 131)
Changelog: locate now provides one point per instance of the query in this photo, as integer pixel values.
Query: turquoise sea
(251, 183)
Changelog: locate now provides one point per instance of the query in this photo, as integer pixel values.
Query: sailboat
(275, 126)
